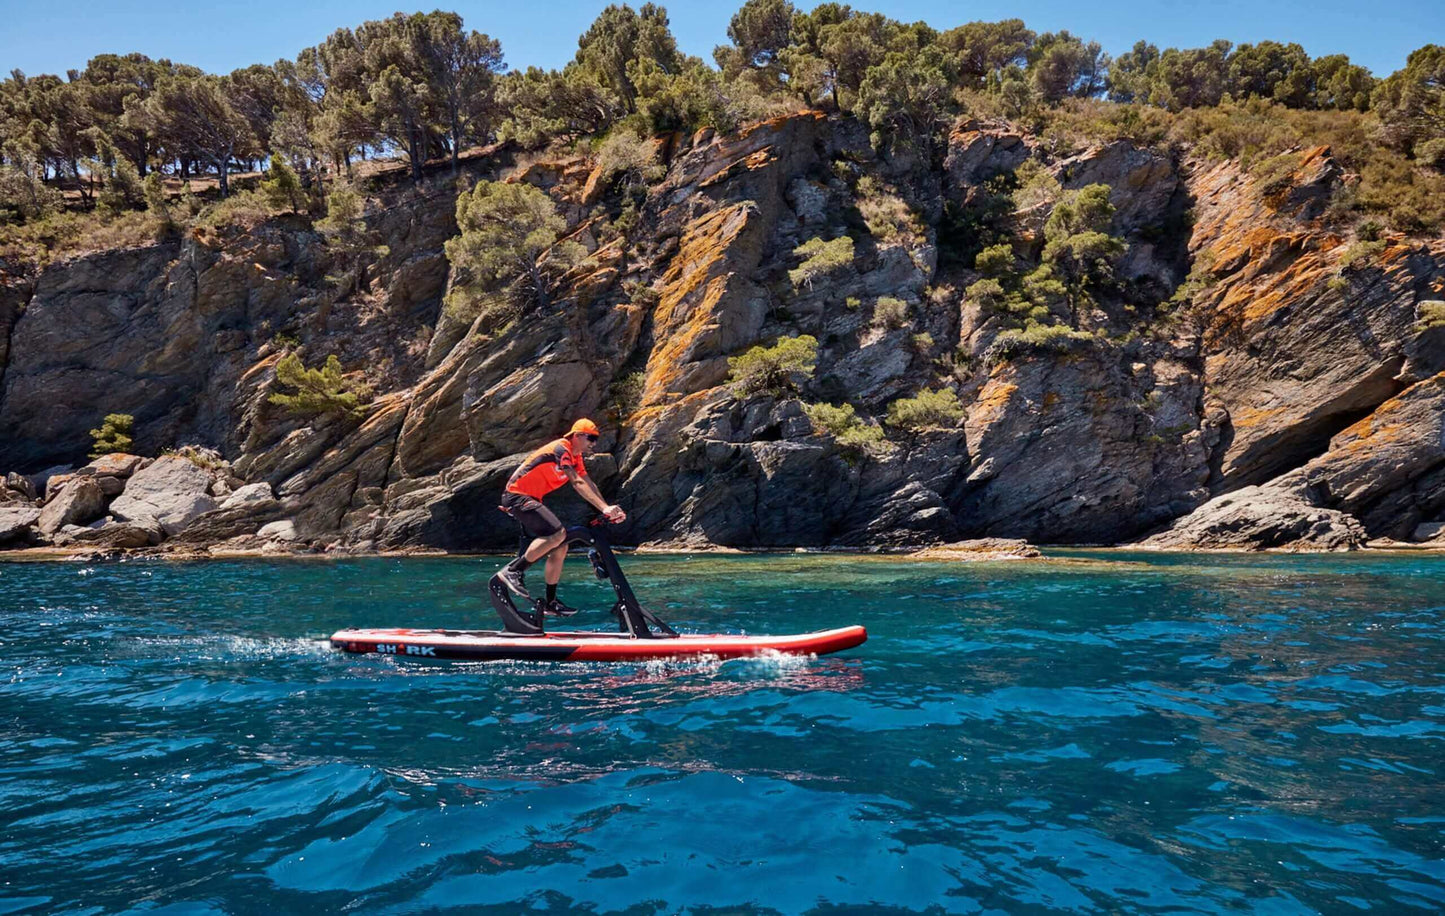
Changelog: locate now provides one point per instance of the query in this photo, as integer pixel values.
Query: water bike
(641, 634)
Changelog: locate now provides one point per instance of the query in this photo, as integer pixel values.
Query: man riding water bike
(549, 467)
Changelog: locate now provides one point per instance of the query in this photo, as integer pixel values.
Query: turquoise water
(1147, 734)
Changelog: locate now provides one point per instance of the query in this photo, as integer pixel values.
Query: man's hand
(615, 514)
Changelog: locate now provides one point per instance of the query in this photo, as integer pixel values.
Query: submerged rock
(980, 549)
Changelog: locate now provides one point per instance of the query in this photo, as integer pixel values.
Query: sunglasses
(592, 437)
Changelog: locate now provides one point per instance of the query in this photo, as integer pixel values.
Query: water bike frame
(632, 618)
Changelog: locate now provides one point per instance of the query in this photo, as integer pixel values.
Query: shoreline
(1032, 553)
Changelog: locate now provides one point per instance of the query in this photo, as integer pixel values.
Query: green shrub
(1390, 185)
(988, 295)
(775, 369)
(629, 158)
(922, 342)
(317, 391)
(626, 392)
(853, 303)
(1360, 255)
(847, 428)
(283, 341)
(282, 188)
(66, 234)
(1275, 174)
(1035, 337)
(1201, 277)
(1431, 314)
(24, 198)
(114, 435)
(1432, 153)
(890, 313)
(889, 219)
(123, 189)
(820, 259)
(243, 208)
(929, 409)
(1037, 186)
(995, 261)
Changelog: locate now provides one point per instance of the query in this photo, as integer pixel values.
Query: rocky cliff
(1255, 377)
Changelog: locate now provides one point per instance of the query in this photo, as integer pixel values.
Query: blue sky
(40, 38)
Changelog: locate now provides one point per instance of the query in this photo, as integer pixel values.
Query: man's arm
(588, 491)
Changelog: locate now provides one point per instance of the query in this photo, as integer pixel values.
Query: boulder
(1142, 182)
(19, 486)
(41, 482)
(172, 491)
(1262, 517)
(16, 523)
(977, 153)
(116, 464)
(111, 534)
(111, 486)
(1388, 469)
(1430, 531)
(283, 530)
(241, 514)
(81, 501)
(56, 483)
(250, 494)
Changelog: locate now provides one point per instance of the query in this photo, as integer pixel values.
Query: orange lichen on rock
(1273, 271)
(1247, 417)
(694, 285)
(992, 401)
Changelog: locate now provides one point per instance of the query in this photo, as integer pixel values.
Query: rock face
(170, 492)
(1288, 396)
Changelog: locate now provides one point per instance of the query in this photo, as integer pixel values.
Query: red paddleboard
(586, 646)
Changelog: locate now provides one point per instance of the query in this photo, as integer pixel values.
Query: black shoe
(555, 608)
(514, 580)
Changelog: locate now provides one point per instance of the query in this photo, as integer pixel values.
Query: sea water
(1101, 733)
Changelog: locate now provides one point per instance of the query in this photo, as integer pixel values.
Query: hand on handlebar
(615, 515)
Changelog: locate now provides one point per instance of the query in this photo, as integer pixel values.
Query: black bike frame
(632, 618)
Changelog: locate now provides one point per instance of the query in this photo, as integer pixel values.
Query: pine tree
(114, 435)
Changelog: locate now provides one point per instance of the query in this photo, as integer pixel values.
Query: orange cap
(584, 425)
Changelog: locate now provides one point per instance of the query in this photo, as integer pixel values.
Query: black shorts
(535, 518)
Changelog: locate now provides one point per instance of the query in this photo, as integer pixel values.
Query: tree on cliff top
(760, 32)
(193, 117)
(508, 247)
(461, 69)
(1411, 103)
(618, 39)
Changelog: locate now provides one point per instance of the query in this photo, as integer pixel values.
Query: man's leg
(549, 534)
(555, 559)
(547, 546)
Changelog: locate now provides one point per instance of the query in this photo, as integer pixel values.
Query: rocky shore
(1267, 383)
